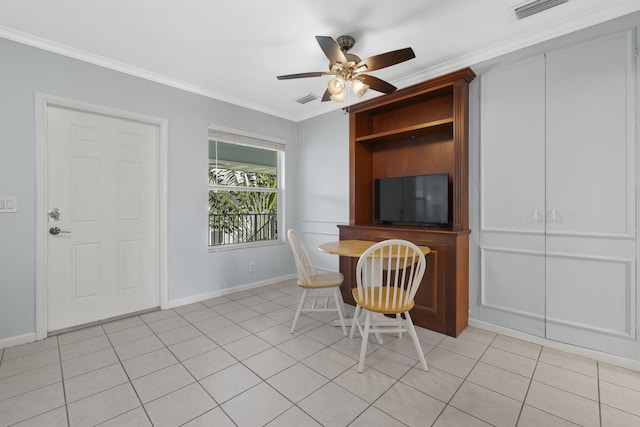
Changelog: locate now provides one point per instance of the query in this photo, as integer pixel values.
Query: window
(245, 190)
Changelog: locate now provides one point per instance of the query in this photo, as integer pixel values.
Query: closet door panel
(512, 148)
(591, 301)
(590, 152)
(590, 244)
(512, 196)
(513, 292)
(579, 299)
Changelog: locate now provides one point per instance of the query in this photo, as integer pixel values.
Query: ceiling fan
(349, 68)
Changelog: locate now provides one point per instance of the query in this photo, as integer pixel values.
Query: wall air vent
(306, 98)
(536, 7)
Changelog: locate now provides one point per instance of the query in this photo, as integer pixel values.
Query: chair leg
(355, 323)
(303, 298)
(378, 335)
(365, 338)
(399, 319)
(414, 335)
(338, 297)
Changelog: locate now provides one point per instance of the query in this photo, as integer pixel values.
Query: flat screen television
(420, 200)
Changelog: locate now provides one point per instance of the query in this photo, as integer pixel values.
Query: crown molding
(580, 22)
(101, 61)
(587, 19)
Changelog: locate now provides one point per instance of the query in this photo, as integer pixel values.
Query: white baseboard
(31, 337)
(580, 351)
(17, 340)
(227, 291)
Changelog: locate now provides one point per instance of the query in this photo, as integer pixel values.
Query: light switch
(8, 204)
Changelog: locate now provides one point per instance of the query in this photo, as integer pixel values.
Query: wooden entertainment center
(421, 129)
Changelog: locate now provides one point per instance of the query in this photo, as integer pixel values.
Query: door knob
(56, 230)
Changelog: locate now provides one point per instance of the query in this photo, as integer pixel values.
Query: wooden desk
(442, 302)
(355, 248)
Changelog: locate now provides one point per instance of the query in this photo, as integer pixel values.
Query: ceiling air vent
(306, 98)
(536, 7)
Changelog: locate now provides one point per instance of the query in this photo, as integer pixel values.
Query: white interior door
(103, 179)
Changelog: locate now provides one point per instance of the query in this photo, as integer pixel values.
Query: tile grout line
(128, 378)
(94, 370)
(599, 396)
(64, 388)
(533, 373)
(218, 404)
(561, 389)
(262, 380)
(464, 380)
(294, 404)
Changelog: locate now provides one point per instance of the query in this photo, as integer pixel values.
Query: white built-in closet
(558, 195)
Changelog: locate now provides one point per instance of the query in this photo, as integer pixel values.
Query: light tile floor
(232, 361)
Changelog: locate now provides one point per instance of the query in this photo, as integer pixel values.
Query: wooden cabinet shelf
(418, 130)
(409, 132)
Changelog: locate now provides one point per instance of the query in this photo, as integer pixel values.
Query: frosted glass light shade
(336, 86)
(338, 97)
(358, 87)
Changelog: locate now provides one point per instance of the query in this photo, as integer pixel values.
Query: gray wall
(323, 182)
(192, 269)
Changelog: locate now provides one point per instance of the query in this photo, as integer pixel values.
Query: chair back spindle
(389, 273)
(304, 266)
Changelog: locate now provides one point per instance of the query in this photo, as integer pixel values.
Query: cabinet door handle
(554, 216)
(538, 216)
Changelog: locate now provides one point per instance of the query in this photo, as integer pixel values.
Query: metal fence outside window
(231, 229)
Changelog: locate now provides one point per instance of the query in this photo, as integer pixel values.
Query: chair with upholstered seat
(312, 282)
(388, 275)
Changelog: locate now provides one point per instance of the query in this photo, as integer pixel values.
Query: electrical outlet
(252, 267)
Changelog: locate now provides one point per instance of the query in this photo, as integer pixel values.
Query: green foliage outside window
(242, 215)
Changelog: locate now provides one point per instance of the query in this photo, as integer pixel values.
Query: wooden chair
(388, 275)
(311, 281)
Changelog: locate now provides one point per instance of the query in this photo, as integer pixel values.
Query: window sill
(245, 246)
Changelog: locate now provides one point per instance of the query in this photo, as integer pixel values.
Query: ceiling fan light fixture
(346, 68)
(359, 87)
(360, 69)
(336, 86)
(339, 97)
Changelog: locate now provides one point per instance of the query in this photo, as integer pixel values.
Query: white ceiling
(233, 50)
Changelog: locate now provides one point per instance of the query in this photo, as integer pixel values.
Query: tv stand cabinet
(418, 130)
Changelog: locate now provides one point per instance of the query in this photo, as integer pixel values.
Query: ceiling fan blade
(331, 49)
(377, 84)
(387, 59)
(326, 96)
(303, 75)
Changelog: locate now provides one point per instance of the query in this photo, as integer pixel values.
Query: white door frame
(43, 102)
